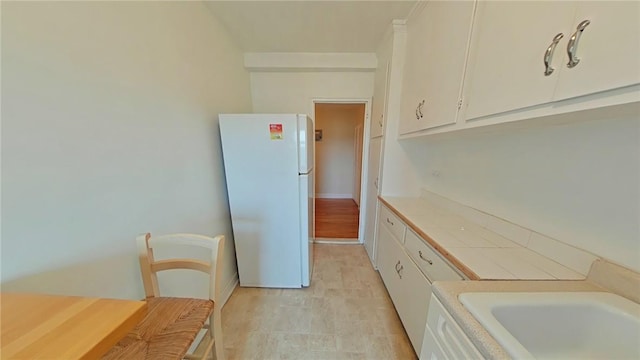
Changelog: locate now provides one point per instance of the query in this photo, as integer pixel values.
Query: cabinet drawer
(393, 223)
(454, 342)
(431, 264)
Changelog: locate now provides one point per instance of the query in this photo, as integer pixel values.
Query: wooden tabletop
(38, 326)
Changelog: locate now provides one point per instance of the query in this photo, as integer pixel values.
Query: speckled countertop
(447, 292)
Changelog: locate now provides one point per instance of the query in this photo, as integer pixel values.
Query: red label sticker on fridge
(276, 131)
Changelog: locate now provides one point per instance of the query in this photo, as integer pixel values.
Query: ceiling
(308, 26)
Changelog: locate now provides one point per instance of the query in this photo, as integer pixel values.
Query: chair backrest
(149, 266)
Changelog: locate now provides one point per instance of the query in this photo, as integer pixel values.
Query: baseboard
(228, 289)
(344, 241)
(334, 196)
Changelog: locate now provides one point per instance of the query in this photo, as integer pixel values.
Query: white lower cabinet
(410, 291)
(443, 338)
(431, 350)
(409, 288)
(416, 292)
(388, 252)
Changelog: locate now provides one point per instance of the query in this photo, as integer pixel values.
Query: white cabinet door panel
(608, 49)
(414, 305)
(372, 197)
(410, 291)
(388, 257)
(379, 106)
(437, 41)
(506, 69)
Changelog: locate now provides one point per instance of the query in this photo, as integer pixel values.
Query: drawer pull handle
(548, 69)
(419, 114)
(424, 258)
(390, 222)
(399, 268)
(572, 45)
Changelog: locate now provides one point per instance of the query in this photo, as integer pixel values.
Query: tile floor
(346, 313)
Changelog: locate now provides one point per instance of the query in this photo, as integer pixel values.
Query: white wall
(298, 62)
(578, 183)
(335, 154)
(293, 92)
(109, 129)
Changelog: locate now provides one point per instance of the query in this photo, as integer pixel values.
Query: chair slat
(174, 264)
(186, 239)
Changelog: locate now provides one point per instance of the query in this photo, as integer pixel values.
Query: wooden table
(38, 326)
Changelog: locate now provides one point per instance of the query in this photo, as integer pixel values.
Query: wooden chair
(172, 324)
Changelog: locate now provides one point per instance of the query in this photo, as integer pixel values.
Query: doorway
(340, 137)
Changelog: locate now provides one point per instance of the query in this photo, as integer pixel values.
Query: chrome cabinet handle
(423, 258)
(572, 45)
(390, 222)
(376, 183)
(399, 269)
(548, 55)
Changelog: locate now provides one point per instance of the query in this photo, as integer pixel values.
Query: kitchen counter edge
(447, 292)
(439, 248)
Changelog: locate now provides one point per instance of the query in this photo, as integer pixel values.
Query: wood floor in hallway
(346, 313)
(337, 218)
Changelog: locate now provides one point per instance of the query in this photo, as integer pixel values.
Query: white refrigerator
(268, 161)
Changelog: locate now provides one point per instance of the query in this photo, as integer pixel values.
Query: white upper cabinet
(520, 51)
(506, 68)
(437, 42)
(379, 106)
(608, 49)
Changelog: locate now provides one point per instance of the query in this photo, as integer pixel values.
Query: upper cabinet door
(437, 42)
(379, 106)
(607, 49)
(506, 61)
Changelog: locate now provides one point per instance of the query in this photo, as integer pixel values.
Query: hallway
(337, 219)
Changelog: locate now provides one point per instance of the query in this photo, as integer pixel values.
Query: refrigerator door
(306, 143)
(307, 225)
(261, 167)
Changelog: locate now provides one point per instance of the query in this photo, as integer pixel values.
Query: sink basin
(559, 325)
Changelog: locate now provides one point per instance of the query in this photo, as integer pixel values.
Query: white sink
(559, 325)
